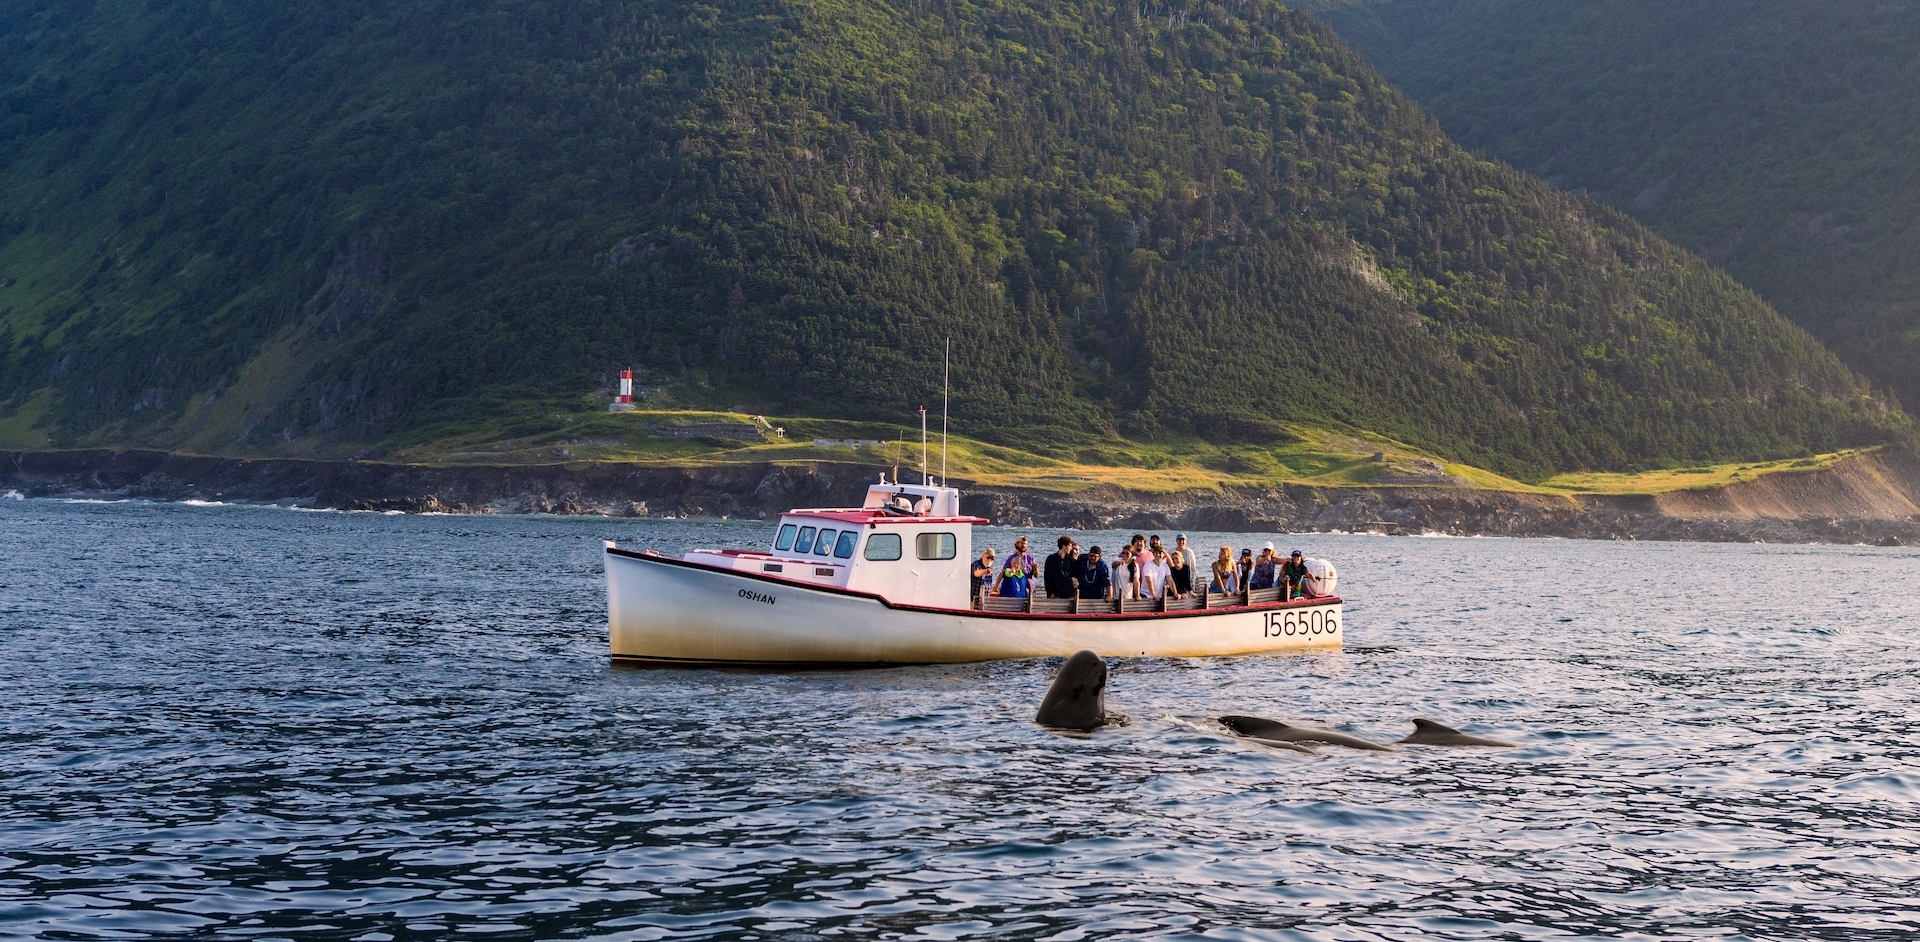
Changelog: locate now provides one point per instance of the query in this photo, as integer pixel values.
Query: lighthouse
(624, 401)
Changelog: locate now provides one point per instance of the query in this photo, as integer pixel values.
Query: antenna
(946, 378)
(899, 445)
(924, 477)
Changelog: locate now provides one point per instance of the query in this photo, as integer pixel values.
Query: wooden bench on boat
(1200, 599)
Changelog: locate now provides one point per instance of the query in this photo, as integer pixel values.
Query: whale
(1273, 731)
(1078, 697)
(1301, 748)
(1429, 733)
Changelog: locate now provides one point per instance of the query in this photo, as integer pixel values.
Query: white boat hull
(668, 610)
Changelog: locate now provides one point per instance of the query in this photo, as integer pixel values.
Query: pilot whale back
(1274, 731)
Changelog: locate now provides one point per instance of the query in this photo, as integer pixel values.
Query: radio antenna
(946, 379)
(925, 478)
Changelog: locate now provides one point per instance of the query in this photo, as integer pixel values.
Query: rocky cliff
(1870, 498)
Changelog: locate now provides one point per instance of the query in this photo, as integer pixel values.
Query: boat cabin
(908, 543)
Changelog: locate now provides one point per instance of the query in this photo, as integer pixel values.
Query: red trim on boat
(652, 557)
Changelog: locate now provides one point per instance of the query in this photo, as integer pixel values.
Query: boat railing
(1203, 597)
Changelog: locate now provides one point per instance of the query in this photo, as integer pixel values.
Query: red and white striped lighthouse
(626, 386)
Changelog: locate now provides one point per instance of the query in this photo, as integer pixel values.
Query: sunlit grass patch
(1689, 478)
(583, 432)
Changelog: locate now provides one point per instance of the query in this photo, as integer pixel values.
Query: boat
(888, 582)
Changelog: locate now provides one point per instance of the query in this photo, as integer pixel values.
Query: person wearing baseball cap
(1293, 574)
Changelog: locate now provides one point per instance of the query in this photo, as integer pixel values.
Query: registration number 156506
(1309, 622)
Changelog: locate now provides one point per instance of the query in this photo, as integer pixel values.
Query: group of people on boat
(1144, 568)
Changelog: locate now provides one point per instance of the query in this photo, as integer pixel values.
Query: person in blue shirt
(1095, 577)
(1014, 578)
(1022, 559)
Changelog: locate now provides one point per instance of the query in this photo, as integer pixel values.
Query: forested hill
(1775, 137)
(332, 227)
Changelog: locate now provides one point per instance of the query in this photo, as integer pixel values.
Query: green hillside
(364, 227)
(1776, 138)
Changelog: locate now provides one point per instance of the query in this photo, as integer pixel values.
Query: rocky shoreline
(1872, 498)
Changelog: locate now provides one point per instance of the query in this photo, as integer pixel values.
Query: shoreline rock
(1872, 499)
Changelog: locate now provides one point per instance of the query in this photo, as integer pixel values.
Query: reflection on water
(247, 721)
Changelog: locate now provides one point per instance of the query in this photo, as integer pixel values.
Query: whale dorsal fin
(1429, 733)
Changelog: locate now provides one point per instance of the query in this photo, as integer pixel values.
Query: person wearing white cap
(1265, 569)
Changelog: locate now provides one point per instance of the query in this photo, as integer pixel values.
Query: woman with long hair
(1226, 576)
(1126, 575)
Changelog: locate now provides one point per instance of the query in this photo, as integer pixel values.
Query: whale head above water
(1429, 733)
(1276, 732)
(1078, 697)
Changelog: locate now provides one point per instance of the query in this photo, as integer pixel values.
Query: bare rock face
(1870, 498)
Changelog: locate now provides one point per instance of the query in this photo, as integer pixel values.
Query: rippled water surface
(252, 722)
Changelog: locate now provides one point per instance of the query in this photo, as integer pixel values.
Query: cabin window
(936, 546)
(883, 546)
(825, 544)
(805, 543)
(844, 548)
(785, 541)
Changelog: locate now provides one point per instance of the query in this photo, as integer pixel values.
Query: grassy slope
(580, 432)
(368, 226)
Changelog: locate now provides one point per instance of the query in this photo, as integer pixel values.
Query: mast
(946, 378)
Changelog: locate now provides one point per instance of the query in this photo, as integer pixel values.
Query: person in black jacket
(1095, 577)
(1059, 571)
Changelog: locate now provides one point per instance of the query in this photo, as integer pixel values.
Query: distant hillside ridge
(1775, 138)
(339, 229)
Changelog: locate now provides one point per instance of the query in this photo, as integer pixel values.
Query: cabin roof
(875, 517)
